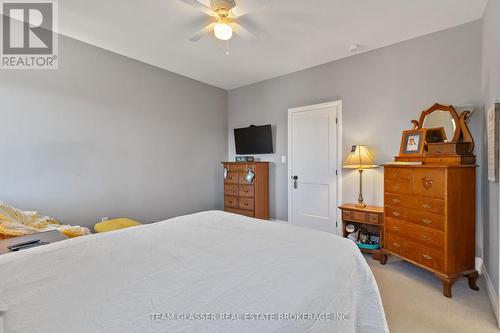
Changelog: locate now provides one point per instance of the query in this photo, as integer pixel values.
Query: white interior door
(312, 169)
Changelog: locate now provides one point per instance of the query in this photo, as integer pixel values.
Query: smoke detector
(354, 47)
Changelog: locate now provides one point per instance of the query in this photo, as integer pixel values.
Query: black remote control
(18, 246)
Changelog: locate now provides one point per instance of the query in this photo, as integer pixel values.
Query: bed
(207, 272)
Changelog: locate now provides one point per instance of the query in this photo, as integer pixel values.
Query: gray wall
(106, 135)
(381, 91)
(491, 94)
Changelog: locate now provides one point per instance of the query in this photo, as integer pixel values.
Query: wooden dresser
(430, 219)
(243, 197)
(430, 197)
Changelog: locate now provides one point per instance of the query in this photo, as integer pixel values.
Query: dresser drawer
(231, 202)
(246, 203)
(412, 251)
(242, 178)
(396, 213)
(397, 174)
(237, 167)
(425, 236)
(423, 204)
(427, 220)
(395, 243)
(428, 257)
(351, 215)
(231, 178)
(397, 187)
(398, 200)
(231, 190)
(246, 191)
(248, 213)
(429, 205)
(428, 182)
(416, 217)
(374, 218)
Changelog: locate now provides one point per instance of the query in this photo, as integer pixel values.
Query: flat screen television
(253, 140)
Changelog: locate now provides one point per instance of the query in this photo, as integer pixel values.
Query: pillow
(15, 222)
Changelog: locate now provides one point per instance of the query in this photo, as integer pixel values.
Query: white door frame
(338, 106)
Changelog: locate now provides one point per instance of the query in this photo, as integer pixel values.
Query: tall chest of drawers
(430, 219)
(244, 197)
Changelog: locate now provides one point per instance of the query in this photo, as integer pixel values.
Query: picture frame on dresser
(413, 142)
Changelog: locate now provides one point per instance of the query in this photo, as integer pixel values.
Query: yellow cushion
(115, 224)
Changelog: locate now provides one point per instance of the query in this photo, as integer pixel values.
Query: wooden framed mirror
(448, 133)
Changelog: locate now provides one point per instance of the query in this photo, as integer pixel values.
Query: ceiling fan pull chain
(227, 48)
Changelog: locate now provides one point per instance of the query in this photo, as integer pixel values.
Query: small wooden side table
(369, 217)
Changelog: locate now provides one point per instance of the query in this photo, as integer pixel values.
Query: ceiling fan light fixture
(223, 31)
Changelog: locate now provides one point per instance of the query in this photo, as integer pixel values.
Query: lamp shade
(359, 158)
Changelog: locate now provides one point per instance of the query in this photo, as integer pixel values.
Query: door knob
(295, 178)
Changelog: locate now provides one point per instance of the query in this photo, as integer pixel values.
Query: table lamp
(360, 159)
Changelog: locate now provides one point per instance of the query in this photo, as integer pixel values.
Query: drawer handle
(396, 213)
(427, 182)
(427, 206)
(396, 187)
(396, 244)
(396, 201)
(245, 204)
(426, 221)
(427, 257)
(246, 191)
(396, 228)
(426, 238)
(229, 177)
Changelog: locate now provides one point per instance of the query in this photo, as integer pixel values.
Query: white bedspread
(205, 265)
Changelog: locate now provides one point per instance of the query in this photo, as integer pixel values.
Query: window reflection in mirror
(442, 119)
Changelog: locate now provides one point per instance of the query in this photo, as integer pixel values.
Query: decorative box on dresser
(430, 213)
(244, 197)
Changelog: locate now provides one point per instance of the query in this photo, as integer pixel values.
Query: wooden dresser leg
(472, 278)
(383, 258)
(447, 283)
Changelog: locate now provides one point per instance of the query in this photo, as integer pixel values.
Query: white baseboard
(479, 265)
(492, 294)
(276, 220)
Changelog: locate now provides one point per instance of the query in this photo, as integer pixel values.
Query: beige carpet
(413, 301)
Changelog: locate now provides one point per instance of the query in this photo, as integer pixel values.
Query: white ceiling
(295, 34)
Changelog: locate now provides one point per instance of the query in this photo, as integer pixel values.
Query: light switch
(283, 159)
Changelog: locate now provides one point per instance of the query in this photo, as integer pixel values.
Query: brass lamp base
(360, 203)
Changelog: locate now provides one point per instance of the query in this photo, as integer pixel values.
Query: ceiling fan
(227, 16)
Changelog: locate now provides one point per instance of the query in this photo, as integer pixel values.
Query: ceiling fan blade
(245, 7)
(203, 33)
(241, 30)
(195, 4)
(249, 25)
